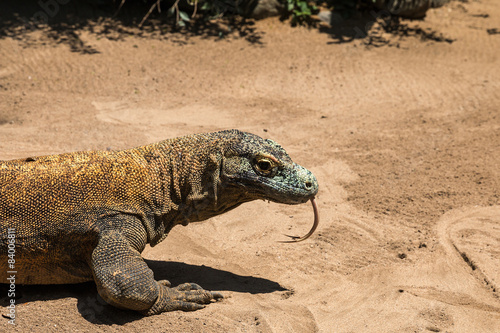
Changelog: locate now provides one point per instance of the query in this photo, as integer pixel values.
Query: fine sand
(404, 140)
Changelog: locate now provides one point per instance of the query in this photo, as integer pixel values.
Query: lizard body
(88, 215)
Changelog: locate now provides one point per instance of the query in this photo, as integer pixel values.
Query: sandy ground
(404, 140)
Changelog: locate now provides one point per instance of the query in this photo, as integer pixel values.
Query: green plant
(181, 17)
(300, 10)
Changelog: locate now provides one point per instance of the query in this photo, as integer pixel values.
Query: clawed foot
(184, 297)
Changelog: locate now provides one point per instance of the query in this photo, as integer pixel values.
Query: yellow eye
(264, 165)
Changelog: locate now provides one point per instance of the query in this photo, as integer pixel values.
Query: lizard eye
(265, 166)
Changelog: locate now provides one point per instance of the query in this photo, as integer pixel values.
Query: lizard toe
(188, 286)
(195, 293)
(198, 296)
(187, 306)
(165, 283)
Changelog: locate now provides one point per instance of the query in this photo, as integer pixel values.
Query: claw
(216, 295)
(165, 283)
(296, 239)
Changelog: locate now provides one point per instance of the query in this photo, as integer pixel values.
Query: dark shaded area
(210, 278)
(467, 260)
(94, 309)
(62, 21)
(394, 26)
(370, 26)
(89, 304)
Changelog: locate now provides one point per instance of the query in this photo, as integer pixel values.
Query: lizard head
(261, 169)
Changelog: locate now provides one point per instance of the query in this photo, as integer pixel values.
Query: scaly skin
(88, 215)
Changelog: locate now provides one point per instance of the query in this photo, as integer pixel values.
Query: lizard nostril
(308, 185)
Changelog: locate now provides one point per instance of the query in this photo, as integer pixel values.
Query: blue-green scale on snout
(264, 169)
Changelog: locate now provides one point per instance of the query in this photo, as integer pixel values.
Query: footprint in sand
(473, 235)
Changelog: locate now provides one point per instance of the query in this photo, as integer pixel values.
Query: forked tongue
(296, 239)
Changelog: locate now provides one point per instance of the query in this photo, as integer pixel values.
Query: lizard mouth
(278, 192)
(290, 194)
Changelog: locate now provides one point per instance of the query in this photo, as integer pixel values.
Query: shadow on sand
(376, 28)
(62, 21)
(94, 309)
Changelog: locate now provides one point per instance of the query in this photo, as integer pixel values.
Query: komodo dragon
(88, 215)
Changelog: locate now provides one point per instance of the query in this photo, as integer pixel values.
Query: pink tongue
(296, 239)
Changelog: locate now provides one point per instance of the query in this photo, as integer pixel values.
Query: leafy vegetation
(301, 11)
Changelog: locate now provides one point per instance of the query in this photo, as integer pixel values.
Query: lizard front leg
(124, 280)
